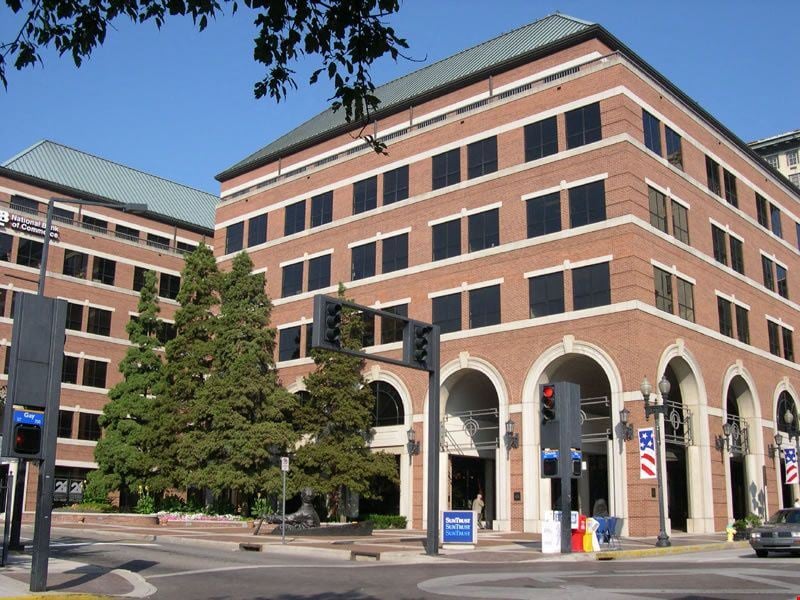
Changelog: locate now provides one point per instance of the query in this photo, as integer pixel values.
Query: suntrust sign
(32, 226)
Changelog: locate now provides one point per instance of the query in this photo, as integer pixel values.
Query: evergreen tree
(123, 454)
(188, 360)
(240, 423)
(337, 417)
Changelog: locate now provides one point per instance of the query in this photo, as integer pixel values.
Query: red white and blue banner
(647, 454)
(790, 457)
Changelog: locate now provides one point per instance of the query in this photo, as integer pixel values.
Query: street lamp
(658, 410)
(723, 441)
(413, 444)
(627, 428)
(510, 438)
(774, 449)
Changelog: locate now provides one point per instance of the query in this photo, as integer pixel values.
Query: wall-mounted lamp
(413, 444)
(774, 449)
(627, 428)
(511, 439)
(721, 442)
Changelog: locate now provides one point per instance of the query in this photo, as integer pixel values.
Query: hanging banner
(790, 456)
(647, 454)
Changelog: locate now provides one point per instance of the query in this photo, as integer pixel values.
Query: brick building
(563, 212)
(97, 264)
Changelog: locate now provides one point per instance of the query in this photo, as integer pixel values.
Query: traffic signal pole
(432, 452)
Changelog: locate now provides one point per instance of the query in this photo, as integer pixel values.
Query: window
(69, 369)
(544, 214)
(93, 224)
(363, 261)
(484, 230)
(26, 205)
(257, 230)
(3, 295)
(685, 300)
(75, 263)
(482, 157)
(365, 195)
(791, 158)
(65, 423)
(587, 204)
(484, 306)
(234, 235)
(583, 125)
(652, 132)
(321, 209)
(591, 286)
(395, 185)
(737, 255)
(368, 337)
(295, 218)
(185, 248)
(761, 210)
(99, 321)
(773, 161)
(169, 286)
(780, 280)
(680, 222)
(126, 233)
(541, 139)
(103, 270)
(159, 241)
(292, 282)
(74, 316)
(289, 343)
(775, 220)
(391, 329)
(63, 215)
(29, 253)
(788, 344)
(94, 373)
(138, 278)
(447, 312)
(742, 325)
(309, 337)
(674, 149)
(767, 270)
(712, 175)
(731, 194)
(446, 168)
(658, 209)
(447, 239)
(88, 426)
(546, 294)
(319, 272)
(663, 286)
(6, 241)
(166, 331)
(388, 405)
(795, 179)
(725, 317)
(774, 341)
(718, 242)
(395, 253)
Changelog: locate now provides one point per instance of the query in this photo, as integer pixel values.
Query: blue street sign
(459, 527)
(549, 454)
(29, 417)
(576, 454)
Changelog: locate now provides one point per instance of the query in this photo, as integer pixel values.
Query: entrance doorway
(677, 493)
(739, 487)
(469, 477)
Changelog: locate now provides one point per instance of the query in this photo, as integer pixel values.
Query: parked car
(780, 532)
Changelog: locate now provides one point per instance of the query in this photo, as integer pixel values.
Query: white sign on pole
(284, 463)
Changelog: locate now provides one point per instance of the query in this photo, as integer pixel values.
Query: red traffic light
(27, 438)
(548, 403)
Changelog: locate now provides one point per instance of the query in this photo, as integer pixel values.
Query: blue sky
(179, 104)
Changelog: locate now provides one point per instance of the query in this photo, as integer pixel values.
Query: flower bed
(202, 519)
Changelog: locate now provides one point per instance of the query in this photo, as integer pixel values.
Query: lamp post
(413, 444)
(774, 449)
(510, 438)
(658, 410)
(627, 428)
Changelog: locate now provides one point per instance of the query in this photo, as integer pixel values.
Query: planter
(65, 518)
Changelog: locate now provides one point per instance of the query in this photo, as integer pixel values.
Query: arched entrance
(746, 494)
(786, 420)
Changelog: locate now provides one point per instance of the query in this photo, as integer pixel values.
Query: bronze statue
(303, 518)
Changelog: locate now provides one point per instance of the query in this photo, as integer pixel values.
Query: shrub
(260, 507)
(146, 505)
(386, 521)
(90, 507)
(96, 489)
(171, 503)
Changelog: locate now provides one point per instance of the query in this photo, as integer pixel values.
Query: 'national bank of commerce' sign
(32, 226)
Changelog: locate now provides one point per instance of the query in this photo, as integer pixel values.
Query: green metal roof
(439, 75)
(96, 176)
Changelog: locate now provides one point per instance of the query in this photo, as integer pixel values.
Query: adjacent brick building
(563, 212)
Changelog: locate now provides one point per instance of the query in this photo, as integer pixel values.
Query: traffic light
(326, 332)
(27, 439)
(548, 403)
(422, 340)
(333, 323)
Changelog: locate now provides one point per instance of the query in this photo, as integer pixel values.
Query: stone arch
(379, 374)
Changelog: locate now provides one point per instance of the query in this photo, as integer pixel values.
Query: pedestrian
(477, 508)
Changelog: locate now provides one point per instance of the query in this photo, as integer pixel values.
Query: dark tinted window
(234, 237)
(289, 343)
(712, 175)
(388, 405)
(138, 278)
(446, 168)
(725, 317)
(94, 373)
(103, 270)
(544, 214)
(159, 241)
(69, 369)
(541, 139)
(658, 209)
(731, 195)
(447, 239)
(680, 222)
(99, 321)
(652, 132)
(74, 316)
(26, 205)
(94, 224)
(447, 312)
(482, 157)
(774, 339)
(319, 272)
(65, 423)
(781, 281)
(769, 274)
(184, 247)
(365, 195)
(663, 287)
(587, 204)
(63, 215)
(546, 294)
(5, 246)
(761, 210)
(392, 330)
(322, 209)
(368, 339)
(775, 220)
(685, 300)
(169, 286)
(395, 185)
(742, 324)
(29, 253)
(737, 255)
(88, 427)
(292, 282)
(591, 286)
(126, 233)
(257, 230)
(363, 261)
(295, 218)
(583, 125)
(75, 263)
(484, 230)
(718, 243)
(674, 149)
(788, 344)
(166, 331)
(395, 253)
(484, 306)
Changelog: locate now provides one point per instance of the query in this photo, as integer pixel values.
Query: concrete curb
(647, 552)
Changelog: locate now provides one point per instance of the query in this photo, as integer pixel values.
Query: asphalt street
(178, 571)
